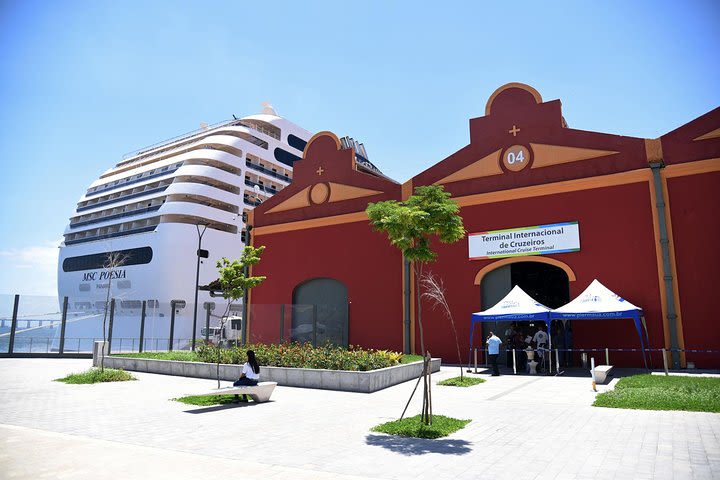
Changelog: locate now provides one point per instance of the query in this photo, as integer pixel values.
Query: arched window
(320, 312)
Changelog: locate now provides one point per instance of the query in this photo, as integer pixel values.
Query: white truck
(231, 331)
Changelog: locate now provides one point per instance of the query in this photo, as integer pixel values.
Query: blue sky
(83, 83)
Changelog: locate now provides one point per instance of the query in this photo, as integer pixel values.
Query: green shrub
(95, 375)
(302, 355)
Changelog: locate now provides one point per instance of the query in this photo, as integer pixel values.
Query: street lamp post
(200, 254)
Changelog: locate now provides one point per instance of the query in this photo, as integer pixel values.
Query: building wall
(616, 246)
(351, 253)
(693, 202)
(602, 181)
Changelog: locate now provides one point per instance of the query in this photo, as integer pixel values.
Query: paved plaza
(522, 427)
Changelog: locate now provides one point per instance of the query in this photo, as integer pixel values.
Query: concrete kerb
(341, 380)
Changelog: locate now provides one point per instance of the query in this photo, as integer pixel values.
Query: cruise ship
(152, 208)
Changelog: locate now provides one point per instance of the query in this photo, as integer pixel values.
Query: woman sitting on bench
(250, 374)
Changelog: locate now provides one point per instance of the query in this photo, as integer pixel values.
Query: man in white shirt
(493, 343)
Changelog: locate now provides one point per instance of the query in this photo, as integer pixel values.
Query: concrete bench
(259, 393)
(601, 372)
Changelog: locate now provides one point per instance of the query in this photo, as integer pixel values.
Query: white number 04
(512, 158)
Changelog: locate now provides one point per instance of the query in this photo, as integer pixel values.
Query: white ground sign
(537, 240)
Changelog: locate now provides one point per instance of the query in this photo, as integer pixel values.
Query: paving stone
(522, 427)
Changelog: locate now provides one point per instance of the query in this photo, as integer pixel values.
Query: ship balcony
(269, 189)
(231, 140)
(253, 163)
(209, 157)
(214, 176)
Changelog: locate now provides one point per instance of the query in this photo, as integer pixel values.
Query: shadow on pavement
(419, 446)
(218, 408)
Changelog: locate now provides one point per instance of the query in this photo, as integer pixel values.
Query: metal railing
(260, 168)
(549, 360)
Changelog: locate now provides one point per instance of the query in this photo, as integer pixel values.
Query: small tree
(113, 261)
(410, 226)
(234, 282)
(434, 291)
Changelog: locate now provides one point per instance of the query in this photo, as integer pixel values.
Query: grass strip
(206, 400)
(461, 382)
(442, 426)
(182, 356)
(659, 392)
(410, 358)
(95, 375)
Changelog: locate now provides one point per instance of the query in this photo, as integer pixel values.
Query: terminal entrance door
(545, 283)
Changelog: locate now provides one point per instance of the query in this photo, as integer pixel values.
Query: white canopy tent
(595, 302)
(515, 306)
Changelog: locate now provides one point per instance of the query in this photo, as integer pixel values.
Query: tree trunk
(102, 351)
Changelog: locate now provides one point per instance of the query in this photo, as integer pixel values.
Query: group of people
(519, 340)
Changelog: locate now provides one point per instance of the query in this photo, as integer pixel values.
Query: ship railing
(150, 150)
(260, 168)
(172, 143)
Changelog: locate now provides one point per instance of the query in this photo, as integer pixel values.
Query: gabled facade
(644, 209)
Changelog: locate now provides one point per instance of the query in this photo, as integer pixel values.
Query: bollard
(63, 322)
(142, 326)
(514, 363)
(665, 362)
(592, 368)
(607, 356)
(476, 370)
(557, 361)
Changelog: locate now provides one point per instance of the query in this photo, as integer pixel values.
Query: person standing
(541, 343)
(493, 343)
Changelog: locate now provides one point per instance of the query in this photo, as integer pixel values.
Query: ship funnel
(268, 109)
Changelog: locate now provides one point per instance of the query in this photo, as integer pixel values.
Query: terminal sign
(515, 242)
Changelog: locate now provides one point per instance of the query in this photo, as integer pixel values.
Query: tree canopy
(411, 224)
(233, 279)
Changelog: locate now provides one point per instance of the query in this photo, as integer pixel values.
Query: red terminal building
(646, 212)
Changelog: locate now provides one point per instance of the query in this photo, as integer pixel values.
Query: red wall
(351, 253)
(694, 201)
(617, 247)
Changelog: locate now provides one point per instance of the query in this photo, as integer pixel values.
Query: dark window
(296, 142)
(135, 256)
(235, 324)
(283, 156)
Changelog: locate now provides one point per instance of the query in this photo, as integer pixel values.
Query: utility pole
(200, 254)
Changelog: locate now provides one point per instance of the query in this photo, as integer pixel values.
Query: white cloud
(30, 270)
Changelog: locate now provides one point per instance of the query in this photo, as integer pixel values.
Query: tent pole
(472, 330)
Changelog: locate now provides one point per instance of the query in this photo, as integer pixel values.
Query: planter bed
(343, 380)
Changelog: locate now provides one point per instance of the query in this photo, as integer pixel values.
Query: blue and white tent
(517, 306)
(597, 302)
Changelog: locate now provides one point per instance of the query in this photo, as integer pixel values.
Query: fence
(554, 360)
(32, 325)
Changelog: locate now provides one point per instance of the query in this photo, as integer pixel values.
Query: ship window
(296, 142)
(135, 256)
(283, 156)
